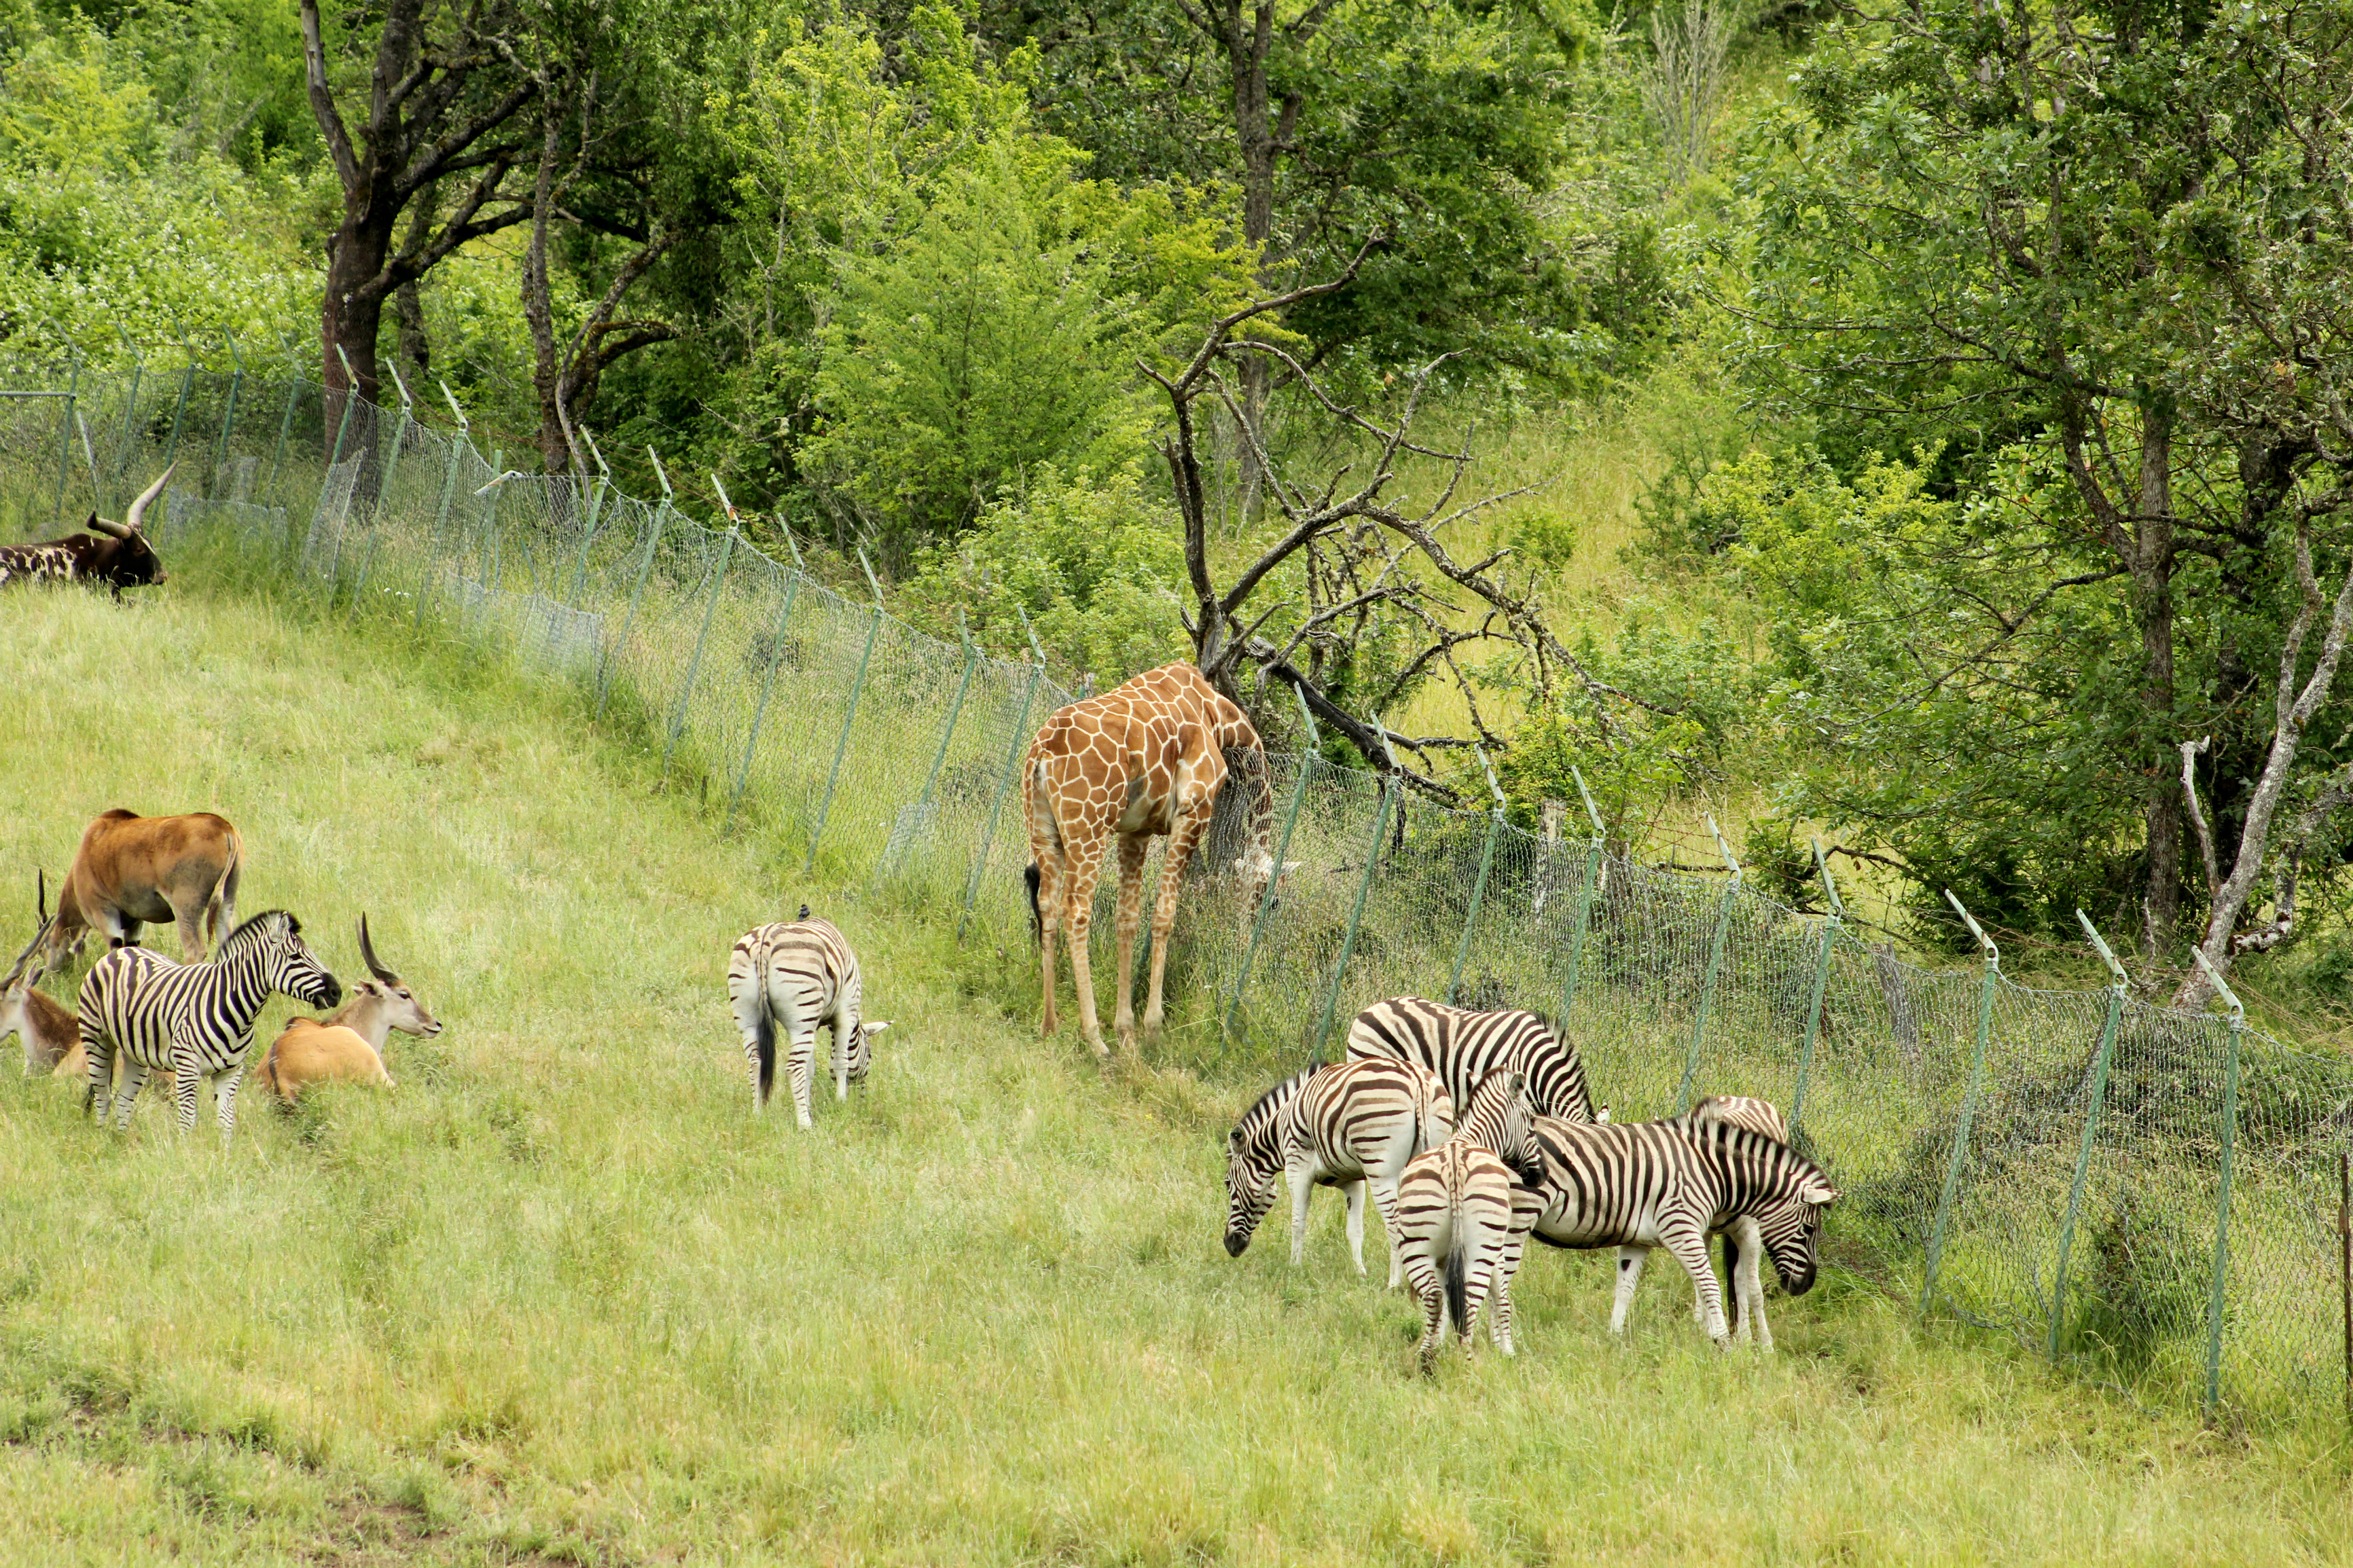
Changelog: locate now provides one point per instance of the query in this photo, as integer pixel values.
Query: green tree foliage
(1092, 562)
(107, 226)
(2091, 264)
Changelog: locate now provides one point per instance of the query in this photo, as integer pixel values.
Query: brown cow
(133, 869)
(49, 1030)
(348, 1043)
(115, 553)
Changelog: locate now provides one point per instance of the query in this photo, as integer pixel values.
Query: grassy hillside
(560, 1298)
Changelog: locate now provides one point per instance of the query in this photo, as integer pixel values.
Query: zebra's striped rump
(1355, 1125)
(1462, 1216)
(1254, 1158)
(1671, 1183)
(796, 976)
(196, 1019)
(1462, 1047)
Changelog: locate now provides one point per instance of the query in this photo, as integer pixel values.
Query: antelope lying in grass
(348, 1043)
(50, 1031)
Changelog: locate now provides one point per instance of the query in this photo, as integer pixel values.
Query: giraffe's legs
(1085, 867)
(1188, 830)
(1132, 849)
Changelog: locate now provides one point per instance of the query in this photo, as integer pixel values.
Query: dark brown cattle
(115, 553)
(133, 870)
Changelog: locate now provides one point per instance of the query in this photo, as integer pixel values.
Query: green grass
(561, 1299)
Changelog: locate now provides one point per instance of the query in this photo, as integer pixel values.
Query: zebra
(1462, 1047)
(1669, 1184)
(1742, 1241)
(196, 1019)
(797, 974)
(1463, 1211)
(1353, 1126)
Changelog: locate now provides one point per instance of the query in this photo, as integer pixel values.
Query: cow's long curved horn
(146, 498)
(108, 526)
(367, 951)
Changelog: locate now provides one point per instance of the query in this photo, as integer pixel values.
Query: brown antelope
(49, 1030)
(348, 1043)
(115, 553)
(133, 870)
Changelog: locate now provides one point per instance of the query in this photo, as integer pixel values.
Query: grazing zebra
(1463, 1047)
(195, 1018)
(1463, 1210)
(1352, 1126)
(1741, 1240)
(794, 975)
(1669, 1184)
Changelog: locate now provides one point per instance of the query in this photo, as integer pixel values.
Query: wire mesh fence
(2150, 1196)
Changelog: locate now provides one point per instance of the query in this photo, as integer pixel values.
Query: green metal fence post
(596, 515)
(352, 401)
(2117, 984)
(1715, 964)
(1013, 756)
(179, 410)
(694, 662)
(940, 757)
(2229, 1129)
(487, 557)
(383, 486)
(228, 418)
(1584, 897)
(1282, 845)
(1830, 924)
(1969, 1097)
(65, 430)
(645, 568)
(448, 492)
(278, 453)
(1479, 888)
(768, 682)
(1356, 913)
(849, 717)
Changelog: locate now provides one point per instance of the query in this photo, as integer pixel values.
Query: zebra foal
(1351, 1125)
(1462, 1047)
(791, 976)
(196, 1019)
(1671, 1183)
(1463, 1210)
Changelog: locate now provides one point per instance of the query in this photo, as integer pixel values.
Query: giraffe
(1142, 760)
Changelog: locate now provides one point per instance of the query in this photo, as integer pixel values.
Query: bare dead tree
(1365, 553)
(2296, 697)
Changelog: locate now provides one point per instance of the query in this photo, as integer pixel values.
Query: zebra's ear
(1816, 1190)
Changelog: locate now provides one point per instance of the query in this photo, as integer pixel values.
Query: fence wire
(2150, 1196)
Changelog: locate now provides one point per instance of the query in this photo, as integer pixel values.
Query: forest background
(1911, 426)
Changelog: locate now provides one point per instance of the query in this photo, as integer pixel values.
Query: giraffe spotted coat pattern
(1142, 760)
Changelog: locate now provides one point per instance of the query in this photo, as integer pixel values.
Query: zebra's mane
(293, 928)
(1277, 1091)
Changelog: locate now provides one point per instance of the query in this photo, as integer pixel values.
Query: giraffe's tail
(1037, 916)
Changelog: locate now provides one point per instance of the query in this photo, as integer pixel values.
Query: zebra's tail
(764, 1041)
(1458, 1282)
(1732, 1281)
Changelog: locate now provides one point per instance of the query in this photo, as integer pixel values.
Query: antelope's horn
(146, 496)
(367, 951)
(41, 895)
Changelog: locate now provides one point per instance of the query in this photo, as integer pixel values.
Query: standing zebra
(1463, 1210)
(1463, 1047)
(797, 974)
(1353, 1126)
(1742, 1240)
(196, 1019)
(1669, 1184)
